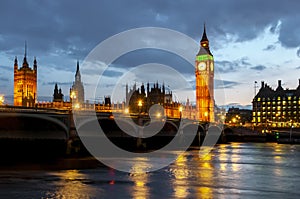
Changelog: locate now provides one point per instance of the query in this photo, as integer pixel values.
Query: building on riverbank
(276, 107)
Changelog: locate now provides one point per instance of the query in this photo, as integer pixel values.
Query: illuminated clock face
(201, 66)
(212, 66)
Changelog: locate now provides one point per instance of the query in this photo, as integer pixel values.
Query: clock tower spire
(204, 72)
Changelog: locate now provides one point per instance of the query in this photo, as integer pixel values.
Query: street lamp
(291, 130)
(73, 96)
(180, 111)
(126, 110)
(158, 115)
(77, 106)
(140, 104)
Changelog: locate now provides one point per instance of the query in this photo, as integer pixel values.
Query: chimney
(262, 84)
(299, 81)
(279, 83)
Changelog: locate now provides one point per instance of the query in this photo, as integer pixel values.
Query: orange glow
(180, 109)
(140, 103)
(126, 110)
(1, 99)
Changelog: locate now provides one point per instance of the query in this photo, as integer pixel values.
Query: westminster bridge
(53, 123)
(53, 131)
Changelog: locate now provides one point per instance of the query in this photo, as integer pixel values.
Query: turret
(77, 74)
(143, 89)
(25, 63)
(16, 64)
(35, 64)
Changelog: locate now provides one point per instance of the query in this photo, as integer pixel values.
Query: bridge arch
(58, 122)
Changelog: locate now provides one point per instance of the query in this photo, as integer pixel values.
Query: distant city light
(77, 106)
(126, 110)
(1, 99)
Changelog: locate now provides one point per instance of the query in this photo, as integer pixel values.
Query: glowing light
(126, 110)
(77, 106)
(73, 95)
(1, 99)
(158, 115)
(112, 182)
(140, 103)
(180, 108)
(206, 114)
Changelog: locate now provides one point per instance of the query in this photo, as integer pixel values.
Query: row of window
(278, 113)
(278, 98)
(264, 119)
(277, 108)
(278, 102)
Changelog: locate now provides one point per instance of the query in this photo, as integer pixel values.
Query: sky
(251, 40)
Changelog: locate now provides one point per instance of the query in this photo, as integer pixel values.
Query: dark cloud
(258, 67)
(60, 32)
(231, 66)
(297, 68)
(222, 84)
(112, 73)
(270, 48)
(49, 27)
(58, 83)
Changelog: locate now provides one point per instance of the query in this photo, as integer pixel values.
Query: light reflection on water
(141, 187)
(238, 170)
(72, 184)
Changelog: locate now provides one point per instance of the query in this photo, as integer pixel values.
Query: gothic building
(141, 99)
(77, 90)
(276, 108)
(25, 83)
(57, 94)
(204, 71)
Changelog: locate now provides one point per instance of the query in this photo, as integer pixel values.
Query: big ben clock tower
(204, 71)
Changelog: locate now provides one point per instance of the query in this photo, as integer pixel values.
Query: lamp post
(291, 131)
(73, 96)
(180, 111)
(140, 104)
(140, 123)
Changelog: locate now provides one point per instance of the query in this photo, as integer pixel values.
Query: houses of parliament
(25, 87)
(25, 90)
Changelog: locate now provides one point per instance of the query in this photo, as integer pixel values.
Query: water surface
(237, 170)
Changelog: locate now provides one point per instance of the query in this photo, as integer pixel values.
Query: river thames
(236, 170)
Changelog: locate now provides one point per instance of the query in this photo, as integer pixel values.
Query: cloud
(258, 67)
(58, 83)
(297, 68)
(236, 105)
(7, 68)
(59, 36)
(298, 52)
(4, 79)
(226, 66)
(270, 48)
(222, 84)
